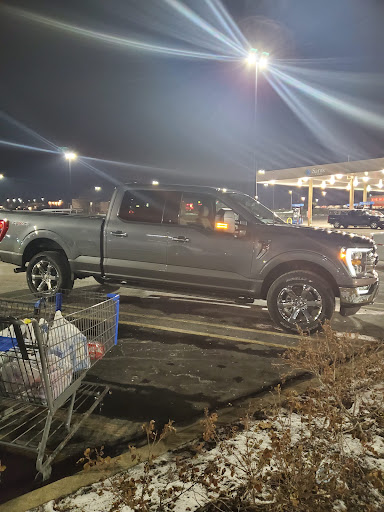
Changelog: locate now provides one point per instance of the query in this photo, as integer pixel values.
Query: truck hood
(320, 236)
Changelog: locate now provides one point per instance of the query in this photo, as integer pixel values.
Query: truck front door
(135, 240)
(199, 255)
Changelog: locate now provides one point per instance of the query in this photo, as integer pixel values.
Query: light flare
(122, 41)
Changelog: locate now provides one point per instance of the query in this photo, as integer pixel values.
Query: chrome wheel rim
(300, 304)
(45, 276)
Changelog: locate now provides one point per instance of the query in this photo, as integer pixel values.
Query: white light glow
(339, 176)
(355, 182)
(263, 62)
(70, 155)
(323, 184)
(365, 179)
(251, 59)
(155, 182)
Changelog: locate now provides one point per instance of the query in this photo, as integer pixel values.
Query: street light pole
(258, 60)
(70, 156)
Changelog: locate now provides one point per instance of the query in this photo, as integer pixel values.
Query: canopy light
(339, 176)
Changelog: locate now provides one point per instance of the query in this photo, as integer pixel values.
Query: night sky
(177, 118)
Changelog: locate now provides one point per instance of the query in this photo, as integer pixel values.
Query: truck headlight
(355, 259)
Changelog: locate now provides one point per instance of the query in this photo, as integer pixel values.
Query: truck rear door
(135, 240)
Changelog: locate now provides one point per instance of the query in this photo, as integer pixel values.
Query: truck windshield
(256, 209)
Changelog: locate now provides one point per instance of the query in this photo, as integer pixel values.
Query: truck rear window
(142, 206)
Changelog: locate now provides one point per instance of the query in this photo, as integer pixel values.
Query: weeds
(94, 458)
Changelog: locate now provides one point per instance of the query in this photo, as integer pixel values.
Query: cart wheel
(48, 272)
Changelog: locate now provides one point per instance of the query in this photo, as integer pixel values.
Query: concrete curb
(123, 462)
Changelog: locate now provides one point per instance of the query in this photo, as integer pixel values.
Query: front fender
(338, 271)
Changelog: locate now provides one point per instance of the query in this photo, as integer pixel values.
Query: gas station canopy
(365, 175)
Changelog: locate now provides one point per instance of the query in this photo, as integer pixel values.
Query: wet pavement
(175, 356)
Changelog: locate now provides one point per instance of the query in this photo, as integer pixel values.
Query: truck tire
(49, 272)
(337, 224)
(300, 300)
(374, 224)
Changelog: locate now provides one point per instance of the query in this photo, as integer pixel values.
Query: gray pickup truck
(197, 241)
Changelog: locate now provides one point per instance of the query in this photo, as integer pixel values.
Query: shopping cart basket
(47, 345)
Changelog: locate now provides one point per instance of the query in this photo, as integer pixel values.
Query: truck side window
(197, 210)
(142, 206)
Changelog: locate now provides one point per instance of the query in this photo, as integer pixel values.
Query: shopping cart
(47, 345)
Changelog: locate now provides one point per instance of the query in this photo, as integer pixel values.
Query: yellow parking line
(205, 334)
(208, 324)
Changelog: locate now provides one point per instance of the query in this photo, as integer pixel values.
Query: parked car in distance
(356, 218)
(199, 241)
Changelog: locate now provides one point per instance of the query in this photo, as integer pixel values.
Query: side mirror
(225, 221)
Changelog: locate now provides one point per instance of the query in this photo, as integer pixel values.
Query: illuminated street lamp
(258, 60)
(290, 193)
(70, 156)
(97, 189)
(1, 176)
(155, 182)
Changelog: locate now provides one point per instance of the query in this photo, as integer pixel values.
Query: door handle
(180, 239)
(119, 234)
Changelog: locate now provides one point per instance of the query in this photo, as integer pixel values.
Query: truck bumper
(358, 296)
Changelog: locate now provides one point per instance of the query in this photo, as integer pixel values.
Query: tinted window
(198, 210)
(142, 206)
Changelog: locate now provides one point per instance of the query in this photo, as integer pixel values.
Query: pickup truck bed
(79, 236)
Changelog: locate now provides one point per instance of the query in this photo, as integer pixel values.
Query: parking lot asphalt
(175, 356)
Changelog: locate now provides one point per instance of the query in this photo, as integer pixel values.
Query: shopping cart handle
(16, 323)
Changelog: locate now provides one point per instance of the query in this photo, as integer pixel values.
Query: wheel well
(283, 268)
(39, 245)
